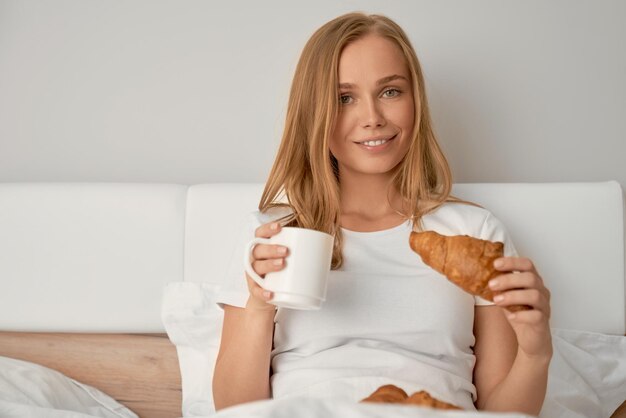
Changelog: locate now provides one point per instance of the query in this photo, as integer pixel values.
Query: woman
(359, 160)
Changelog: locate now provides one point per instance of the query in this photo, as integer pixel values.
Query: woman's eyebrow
(383, 80)
(387, 79)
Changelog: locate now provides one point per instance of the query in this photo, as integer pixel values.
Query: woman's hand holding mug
(265, 258)
(288, 267)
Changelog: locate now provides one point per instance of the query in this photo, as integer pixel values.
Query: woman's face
(376, 110)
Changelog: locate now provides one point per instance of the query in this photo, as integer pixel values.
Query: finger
(531, 297)
(530, 317)
(267, 230)
(517, 281)
(265, 251)
(257, 291)
(514, 264)
(262, 267)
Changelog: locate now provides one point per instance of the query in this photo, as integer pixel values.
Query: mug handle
(246, 259)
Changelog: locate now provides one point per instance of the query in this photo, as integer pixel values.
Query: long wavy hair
(305, 176)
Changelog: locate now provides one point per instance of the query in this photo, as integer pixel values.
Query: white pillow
(587, 375)
(586, 379)
(193, 322)
(29, 389)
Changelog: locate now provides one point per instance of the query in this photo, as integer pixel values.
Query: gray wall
(195, 91)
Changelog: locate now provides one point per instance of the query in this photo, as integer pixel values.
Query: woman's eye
(344, 99)
(391, 92)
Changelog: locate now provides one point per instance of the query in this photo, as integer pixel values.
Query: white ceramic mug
(301, 284)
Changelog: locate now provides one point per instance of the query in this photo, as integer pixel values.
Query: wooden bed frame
(138, 370)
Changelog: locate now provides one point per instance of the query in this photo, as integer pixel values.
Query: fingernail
(511, 316)
(499, 263)
(493, 283)
(274, 226)
(282, 250)
(267, 294)
(498, 298)
(278, 261)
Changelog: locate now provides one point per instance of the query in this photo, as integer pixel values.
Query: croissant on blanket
(464, 260)
(394, 394)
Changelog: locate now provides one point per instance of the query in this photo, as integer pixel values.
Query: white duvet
(17, 410)
(325, 408)
(587, 379)
(30, 390)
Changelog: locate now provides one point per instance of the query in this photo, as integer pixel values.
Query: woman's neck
(369, 197)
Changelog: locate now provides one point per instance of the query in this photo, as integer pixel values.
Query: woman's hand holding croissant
(521, 284)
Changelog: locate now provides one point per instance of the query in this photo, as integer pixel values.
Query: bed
(106, 293)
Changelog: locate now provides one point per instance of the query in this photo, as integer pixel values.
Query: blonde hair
(306, 173)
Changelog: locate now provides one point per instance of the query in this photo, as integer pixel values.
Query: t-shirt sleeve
(234, 290)
(494, 230)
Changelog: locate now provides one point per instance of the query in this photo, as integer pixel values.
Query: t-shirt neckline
(375, 233)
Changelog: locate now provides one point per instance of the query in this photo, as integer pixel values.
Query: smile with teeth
(374, 143)
(377, 142)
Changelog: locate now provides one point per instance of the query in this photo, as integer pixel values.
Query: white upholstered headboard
(95, 256)
(88, 256)
(574, 233)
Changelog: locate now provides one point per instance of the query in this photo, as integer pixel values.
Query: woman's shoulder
(271, 214)
(459, 218)
(465, 209)
(256, 218)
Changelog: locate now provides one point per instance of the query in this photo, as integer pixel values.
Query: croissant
(423, 398)
(466, 261)
(387, 394)
(394, 394)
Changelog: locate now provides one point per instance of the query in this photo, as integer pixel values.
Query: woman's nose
(372, 116)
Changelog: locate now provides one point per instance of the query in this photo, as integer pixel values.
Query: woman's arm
(513, 353)
(506, 379)
(242, 369)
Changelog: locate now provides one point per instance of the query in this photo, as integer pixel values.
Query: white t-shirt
(388, 318)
